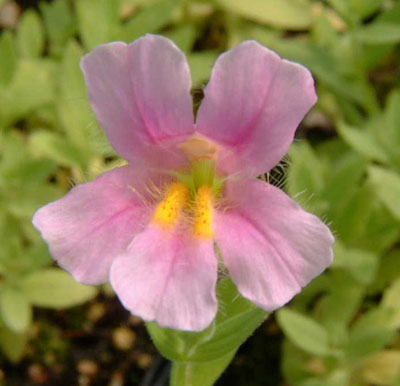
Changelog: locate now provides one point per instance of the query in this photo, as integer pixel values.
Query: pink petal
(270, 245)
(94, 222)
(168, 278)
(141, 96)
(252, 107)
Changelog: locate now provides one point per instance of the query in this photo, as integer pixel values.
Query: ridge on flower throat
(168, 210)
(191, 198)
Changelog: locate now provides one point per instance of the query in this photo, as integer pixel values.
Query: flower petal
(169, 278)
(252, 107)
(270, 245)
(94, 222)
(140, 93)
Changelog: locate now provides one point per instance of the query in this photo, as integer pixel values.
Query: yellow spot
(204, 212)
(169, 209)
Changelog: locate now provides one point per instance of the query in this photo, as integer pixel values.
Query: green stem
(199, 373)
(181, 374)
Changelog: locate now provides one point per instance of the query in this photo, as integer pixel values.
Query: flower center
(191, 199)
(202, 173)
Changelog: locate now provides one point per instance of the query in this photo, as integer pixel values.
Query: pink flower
(150, 227)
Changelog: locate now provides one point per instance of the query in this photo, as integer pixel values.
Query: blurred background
(342, 330)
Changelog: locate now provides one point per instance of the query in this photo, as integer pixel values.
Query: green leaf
(13, 149)
(23, 203)
(32, 88)
(389, 269)
(387, 187)
(236, 320)
(340, 377)
(37, 256)
(52, 145)
(391, 301)
(10, 240)
(379, 33)
(312, 290)
(350, 205)
(287, 14)
(389, 138)
(323, 32)
(342, 302)
(12, 343)
(366, 8)
(148, 20)
(199, 373)
(59, 22)
(29, 259)
(351, 219)
(30, 35)
(8, 58)
(373, 55)
(370, 334)
(381, 230)
(382, 369)
(363, 142)
(304, 332)
(57, 289)
(343, 8)
(15, 309)
(392, 115)
(345, 174)
(391, 14)
(183, 36)
(29, 171)
(201, 64)
(73, 105)
(363, 265)
(98, 21)
(292, 363)
(305, 174)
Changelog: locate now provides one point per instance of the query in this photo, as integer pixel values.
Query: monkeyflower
(188, 200)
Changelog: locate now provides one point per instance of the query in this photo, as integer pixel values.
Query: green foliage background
(343, 328)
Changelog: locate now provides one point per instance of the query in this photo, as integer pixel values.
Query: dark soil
(101, 344)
